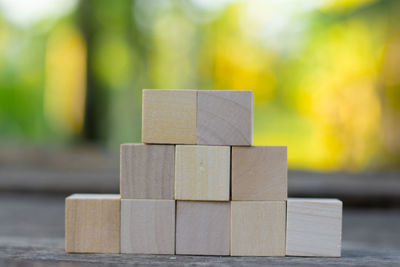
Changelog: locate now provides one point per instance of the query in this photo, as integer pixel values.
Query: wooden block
(314, 227)
(225, 118)
(147, 171)
(92, 223)
(259, 173)
(148, 226)
(169, 116)
(202, 172)
(202, 228)
(258, 228)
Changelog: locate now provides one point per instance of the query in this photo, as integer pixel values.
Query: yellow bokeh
(341, 97)
(65, 85)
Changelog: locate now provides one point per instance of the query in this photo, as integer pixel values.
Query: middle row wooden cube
(208, 173)
(202, 172)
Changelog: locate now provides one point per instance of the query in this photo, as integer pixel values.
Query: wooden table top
(32, 234)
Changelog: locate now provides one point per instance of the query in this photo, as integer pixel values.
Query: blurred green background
(325, 74)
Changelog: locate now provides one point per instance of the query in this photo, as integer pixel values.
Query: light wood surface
(202, 228)
(32, 234)
(225, 117)
(148, 226)
(202, 172)
(169, 116)
(92, 223)
(259, 173)
(258, 228)
(314, 227)
(147, 171)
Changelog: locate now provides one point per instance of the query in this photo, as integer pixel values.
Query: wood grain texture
(92, 223)
(202, 172)
(147, 171)
(202, 228)
(258, 228)
(169, 116)
(148, 226)
(259, 173)
(32, 228)
(225, 118)
(314, 227)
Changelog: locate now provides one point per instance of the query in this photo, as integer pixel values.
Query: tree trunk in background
(113, 103)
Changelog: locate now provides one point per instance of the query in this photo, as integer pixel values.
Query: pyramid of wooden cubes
(197, 186)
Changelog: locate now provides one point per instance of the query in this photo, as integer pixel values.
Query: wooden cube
(148, 226)
(147, 171)
(259, 173)
(202, 172)
(92, 223)
(202, 228)
(314, 227)
(169, 116)
(258, 228)
(225, 118)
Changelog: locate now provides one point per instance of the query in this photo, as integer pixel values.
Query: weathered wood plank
(45, 170)
(32, 234)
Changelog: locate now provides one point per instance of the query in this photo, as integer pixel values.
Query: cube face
(225, 118)
(258, 228)
(148, 226)
(92, 223)
(202, 173)
(259, 173)
(314, 227)
(147, 171)
(202, 228)
(169, 116)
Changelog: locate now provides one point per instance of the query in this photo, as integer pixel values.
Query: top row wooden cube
(197, 117)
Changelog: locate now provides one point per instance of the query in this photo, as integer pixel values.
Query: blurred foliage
(325, 74)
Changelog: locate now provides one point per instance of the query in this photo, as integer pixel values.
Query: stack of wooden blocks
(197, 186)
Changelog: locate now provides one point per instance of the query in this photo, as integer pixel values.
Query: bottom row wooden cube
(258, 228)
(148, 226)
(314, 227)
(92, 223)
(245, 228)
(101, 224)
(202, 228)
